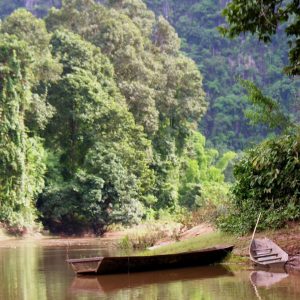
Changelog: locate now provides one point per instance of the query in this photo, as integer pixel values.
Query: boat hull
(266, 254)
(123, 264)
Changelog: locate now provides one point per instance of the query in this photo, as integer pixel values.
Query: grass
(204, 241)
(147, 234)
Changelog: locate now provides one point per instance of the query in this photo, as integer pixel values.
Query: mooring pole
(255, 227)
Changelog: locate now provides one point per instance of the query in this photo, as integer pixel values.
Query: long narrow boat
(265, 253)
(127, 264)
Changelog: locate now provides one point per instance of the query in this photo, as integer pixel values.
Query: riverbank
(176, 240)
(205, 235)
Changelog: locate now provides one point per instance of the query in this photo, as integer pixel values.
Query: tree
(263, 18)
(45, 69)
(33, 30)
(22, 158)
(267, 181)
(100, 166)
(202, 174)
(268, 174)
(162, 87)
(121, 40)
(265, 110)
(222, 62)
(140, 63)
(137, 11)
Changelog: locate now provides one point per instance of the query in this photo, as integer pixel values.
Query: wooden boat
(127, 264)
(265, 253)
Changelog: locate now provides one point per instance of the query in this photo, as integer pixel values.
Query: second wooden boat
(265, 253)
(127, 264)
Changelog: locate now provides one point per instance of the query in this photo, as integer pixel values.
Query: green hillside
(222, 63)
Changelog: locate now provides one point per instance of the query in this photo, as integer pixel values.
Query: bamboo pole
(255, 228)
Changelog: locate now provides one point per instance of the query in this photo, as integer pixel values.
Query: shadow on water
(111, 283)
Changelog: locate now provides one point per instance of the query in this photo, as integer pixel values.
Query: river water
(38, 271)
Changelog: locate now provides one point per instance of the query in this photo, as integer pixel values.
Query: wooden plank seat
(80, 260)
(262, 249)
(270, 259)
(265, 255)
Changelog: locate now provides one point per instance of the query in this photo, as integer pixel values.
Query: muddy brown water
(31, 270)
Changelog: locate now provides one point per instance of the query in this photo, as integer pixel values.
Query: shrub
(267, 181)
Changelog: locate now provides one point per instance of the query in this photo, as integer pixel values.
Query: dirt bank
(288, 239)
(185, 234)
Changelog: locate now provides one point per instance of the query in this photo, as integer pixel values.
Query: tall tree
(138, 65)
(45, 69)
(27, 69)
(100, 164)
(162, 87)
(21, 156)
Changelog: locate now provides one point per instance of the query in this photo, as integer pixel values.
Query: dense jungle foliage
(268, 176)
(99, 111)
(101, 104)
(222, 63)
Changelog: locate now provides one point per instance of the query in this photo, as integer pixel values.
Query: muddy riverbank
(287, 238)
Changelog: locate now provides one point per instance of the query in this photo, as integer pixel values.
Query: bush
(267, 181)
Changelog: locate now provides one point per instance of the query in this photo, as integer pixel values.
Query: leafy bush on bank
(267, 181)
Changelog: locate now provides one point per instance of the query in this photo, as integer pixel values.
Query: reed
(146, 235)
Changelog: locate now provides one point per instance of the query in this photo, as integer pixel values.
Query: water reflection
(109, 283)
(31, 271)
(266, 279)
(18, 271)
(275, 285)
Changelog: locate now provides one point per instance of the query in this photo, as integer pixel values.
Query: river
(31, 270)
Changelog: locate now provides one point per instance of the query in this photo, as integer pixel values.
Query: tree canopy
(268, 174)
(264, 19)
(22, 157)
(223, 62)
(99, 114)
